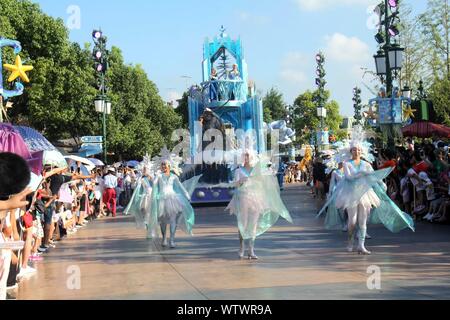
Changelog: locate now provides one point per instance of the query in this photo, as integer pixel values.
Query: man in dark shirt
(280, 174)
(319, 177)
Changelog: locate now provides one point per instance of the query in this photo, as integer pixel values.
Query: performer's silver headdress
(169, 158)
(148, 165)
(342, 149)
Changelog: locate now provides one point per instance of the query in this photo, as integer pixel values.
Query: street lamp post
(290, 114)
(357, 105)
(321, 82)
(102, 103)
(389, 59)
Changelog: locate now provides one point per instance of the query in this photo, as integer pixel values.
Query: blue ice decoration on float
(232, 99)
(286, 134)
(229, 98)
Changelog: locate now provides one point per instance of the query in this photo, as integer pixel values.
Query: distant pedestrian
(109, 195)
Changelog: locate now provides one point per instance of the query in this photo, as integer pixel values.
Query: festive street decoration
(371, 114)
(357, 105)
(18, 70)
(18, 87)
(322, 135)
(333, 139)
(390, 110)
(408, 113)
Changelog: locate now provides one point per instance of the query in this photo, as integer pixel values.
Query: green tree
(440, 95)
(183, 110)
(435, 23)
(334, 119)
(61, 96)
(306, 119)
(267, 115)
(274, 106)
(59, 99)
(141, 122)
(42, 37)
(416, 64)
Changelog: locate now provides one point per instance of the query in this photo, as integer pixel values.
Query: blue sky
(280, 38)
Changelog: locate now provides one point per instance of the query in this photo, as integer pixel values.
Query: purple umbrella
(11, 141)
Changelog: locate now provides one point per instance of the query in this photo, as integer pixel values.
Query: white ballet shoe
(364, 251)
(252, 257)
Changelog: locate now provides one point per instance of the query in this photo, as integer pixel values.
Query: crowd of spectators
(418, 184)
(66, 200)
(294, 173)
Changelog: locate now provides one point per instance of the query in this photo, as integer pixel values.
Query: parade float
(225, 101)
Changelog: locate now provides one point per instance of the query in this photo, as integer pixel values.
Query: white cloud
(341, 48)
(345, 57)
(293, 67)
(296, 74)
(315, 5)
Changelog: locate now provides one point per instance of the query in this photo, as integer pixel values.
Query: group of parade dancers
(357, 197)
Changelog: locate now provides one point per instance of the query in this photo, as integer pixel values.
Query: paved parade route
(300, 261)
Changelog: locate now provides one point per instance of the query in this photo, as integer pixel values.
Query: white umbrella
(54, 158)
(88, 163)
(97, 162)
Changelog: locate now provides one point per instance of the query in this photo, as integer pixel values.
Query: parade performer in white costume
(141, 200)
(171, 205)
(362, 194)
(256, 202)
(336, 167)
(171, 199)
(160, 199)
